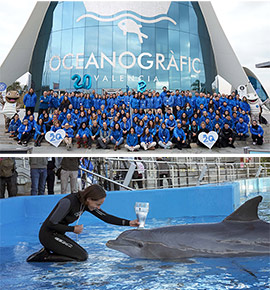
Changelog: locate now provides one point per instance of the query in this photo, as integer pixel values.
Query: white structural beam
(228, 65)
(18, 61)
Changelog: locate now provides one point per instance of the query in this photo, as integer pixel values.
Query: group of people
(138, 120)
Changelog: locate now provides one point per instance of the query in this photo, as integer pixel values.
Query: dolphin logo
(145, 10)
(130, 26)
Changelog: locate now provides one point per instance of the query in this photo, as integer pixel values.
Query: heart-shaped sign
(208, 139)
(55, 138)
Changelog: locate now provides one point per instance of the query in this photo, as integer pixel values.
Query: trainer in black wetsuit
(59, 247)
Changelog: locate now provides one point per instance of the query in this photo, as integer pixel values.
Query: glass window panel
(105, 40)
(193, 21)
(184, 17)
(67, 20)
(149, 44)
(174, 42)
(184, 44)
(161, 40)
(78, 40)
(79, 10)
(57, 17)
(56, 43)
(91, 40)
(66, 42)
(194, 46)
(174, 14)
(119, 41)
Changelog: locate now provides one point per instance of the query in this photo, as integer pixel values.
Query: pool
(109, 269)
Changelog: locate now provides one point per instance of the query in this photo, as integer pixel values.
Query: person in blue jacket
(171, 124)
(70, 121)
(143, 102)
(135, 102)
(40, 131)
(132, 142)
(117, 136)
(256, 133)
(125, 126)
(82, 118)
(14, 125)
(179, 137)
(244, 116)
(139, 129)
(56, 126)
(24, 133)
(82, 135)
(54, 101)
(44, 103)
(164, 137)
(245, 106)
(241, 129)
(30, 100)
(147, 141)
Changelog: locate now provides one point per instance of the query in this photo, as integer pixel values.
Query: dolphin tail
(144, 35)
(141, 35)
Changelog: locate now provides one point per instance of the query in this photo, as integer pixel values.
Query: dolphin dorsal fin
(246, 212)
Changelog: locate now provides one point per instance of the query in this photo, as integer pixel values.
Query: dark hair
(95, 192)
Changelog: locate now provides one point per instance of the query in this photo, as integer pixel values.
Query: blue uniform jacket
(30, 101)
(164, 135)
(256, 132)
(38, 130)
(132, 139)
(14, 125)
(22, 129)
(84, 131)
(179, 132)
(147, 139)
(241, 128)
(45, 103)
(117, 134)
(70, 132)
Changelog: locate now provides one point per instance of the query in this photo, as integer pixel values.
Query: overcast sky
(245, 23)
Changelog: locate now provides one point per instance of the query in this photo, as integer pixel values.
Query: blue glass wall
(173, 54)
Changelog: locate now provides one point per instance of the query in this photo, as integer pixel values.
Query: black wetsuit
(59, 247)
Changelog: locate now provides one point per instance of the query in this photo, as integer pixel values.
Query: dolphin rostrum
(240, 234)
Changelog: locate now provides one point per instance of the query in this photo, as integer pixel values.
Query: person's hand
(134, 223)
(78, 229)
(183, 141)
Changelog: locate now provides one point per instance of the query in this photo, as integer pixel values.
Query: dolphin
(240, 234)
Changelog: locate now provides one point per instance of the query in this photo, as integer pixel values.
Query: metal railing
(176, 173)
(152, 172)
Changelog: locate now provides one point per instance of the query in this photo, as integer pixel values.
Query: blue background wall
(210, 200)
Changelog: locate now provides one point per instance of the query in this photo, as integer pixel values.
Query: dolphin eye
(140, 245)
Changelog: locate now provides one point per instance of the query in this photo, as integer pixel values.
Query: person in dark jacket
(202, 129)
(104, 136)
(51, 174)
(227, 136)
(57, 246)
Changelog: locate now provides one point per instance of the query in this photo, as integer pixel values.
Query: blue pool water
(109, 269)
